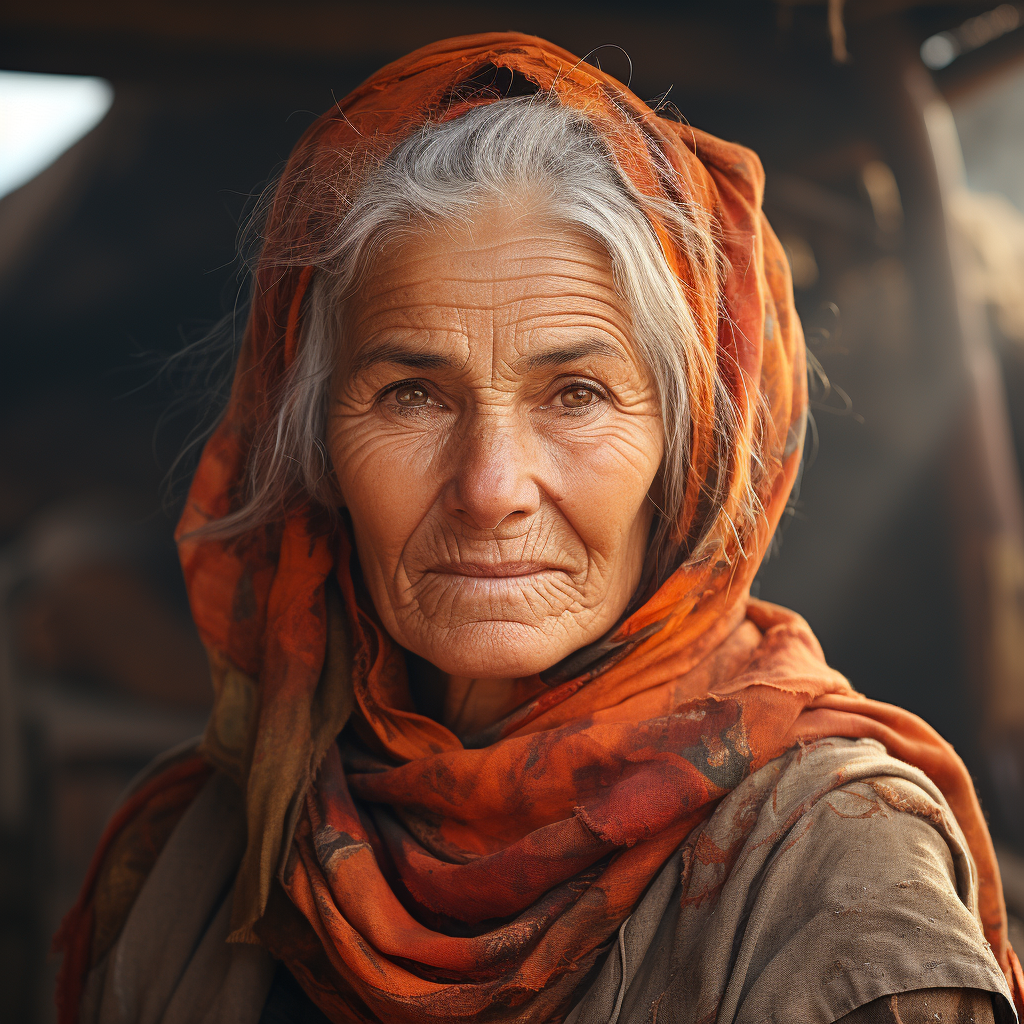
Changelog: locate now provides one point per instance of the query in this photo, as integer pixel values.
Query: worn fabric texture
(171, 962)
(833, 876)
(421, 878)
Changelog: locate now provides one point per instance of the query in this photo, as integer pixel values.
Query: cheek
(608, 476)
(386, 483)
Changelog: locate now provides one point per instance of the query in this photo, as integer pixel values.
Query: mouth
(494, 570)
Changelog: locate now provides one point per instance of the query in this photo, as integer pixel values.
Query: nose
(493, 465)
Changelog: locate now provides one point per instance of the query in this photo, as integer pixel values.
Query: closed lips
(498, 570)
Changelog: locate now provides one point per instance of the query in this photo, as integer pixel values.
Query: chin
(495, 650)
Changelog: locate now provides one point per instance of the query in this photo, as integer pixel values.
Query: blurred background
(133, 140)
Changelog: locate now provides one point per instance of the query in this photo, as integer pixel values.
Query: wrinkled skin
(495, 440)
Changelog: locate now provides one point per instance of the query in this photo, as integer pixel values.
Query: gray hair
(523, 149)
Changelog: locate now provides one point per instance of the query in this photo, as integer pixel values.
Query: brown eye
(411, 395)
(577, 397)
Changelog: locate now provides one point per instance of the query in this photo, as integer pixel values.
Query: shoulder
(843, 866)
(833, 877)
(837, 793)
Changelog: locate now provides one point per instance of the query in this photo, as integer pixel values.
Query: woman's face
(495, 438)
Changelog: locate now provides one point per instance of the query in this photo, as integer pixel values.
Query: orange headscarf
(418, 880)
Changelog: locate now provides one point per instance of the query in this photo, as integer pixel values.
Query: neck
(463, 704)
(472, 705)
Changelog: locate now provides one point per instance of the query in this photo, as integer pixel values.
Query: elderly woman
(500, 734)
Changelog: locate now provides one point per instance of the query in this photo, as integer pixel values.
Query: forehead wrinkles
(513, 245)
(535, 287)
(544, 274)
(475, 295)
(494, 247)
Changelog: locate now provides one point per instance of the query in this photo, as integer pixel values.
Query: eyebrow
(390, 352)
(569, 353)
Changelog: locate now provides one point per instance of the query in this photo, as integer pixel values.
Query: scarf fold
(399, 873)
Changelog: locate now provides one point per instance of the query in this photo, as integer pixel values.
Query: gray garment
(172, 963)
(833, 876)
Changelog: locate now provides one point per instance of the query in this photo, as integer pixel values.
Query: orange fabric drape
(434, 882)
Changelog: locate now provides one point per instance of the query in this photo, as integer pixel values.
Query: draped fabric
(402, 874)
